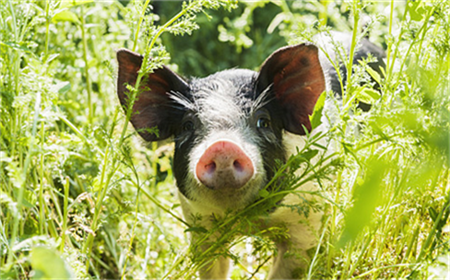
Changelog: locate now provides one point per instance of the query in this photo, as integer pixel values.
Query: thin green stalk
(154, 164)
(413, 239)
(351, 55)
(252, 276)
(47, 25)
(333, 63)
(23, 184)
(13, 21)
(424, 30)
(319, 244)
(365, 274)
(132, 235)
(59, 214)
(176, 264)
(360, 257)
(16, 75)
(114, 120)
(348, 259)
(98, 206)
(323, 14)
(333, 226)
(130, 244)
(42, 224)
(66, 210)
(389, 43)
(86, 65)
(165, 209)
(138, 28)
(135, 92)
(80, 134)
(437, 221)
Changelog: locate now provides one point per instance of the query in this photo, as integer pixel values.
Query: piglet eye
(263, 123)
(188, 126)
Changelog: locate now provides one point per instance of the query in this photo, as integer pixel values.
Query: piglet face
(227, 142)
(227, 127)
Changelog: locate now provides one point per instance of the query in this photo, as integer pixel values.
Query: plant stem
(389, 43)
(42, 224)
(47, 25)
(130, 244)
(103, 186)
(23, 184)
(142, 72)
(64, 224)
(138, 28)
(351, 55)
(86, 65)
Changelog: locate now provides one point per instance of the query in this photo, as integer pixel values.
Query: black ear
(153, 106)
(297, 81)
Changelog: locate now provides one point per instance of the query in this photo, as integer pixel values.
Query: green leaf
(263, 193)
(374, 74)
(417, 10)
(18, 47)
(196, 229)
(433, 213)
(51, 57)
(62, 87)
(29, 199)
(308, 155)
(66, 15)
(71, 3)
(298, 159)
(316, 116)
(368, 95)
(48, 264)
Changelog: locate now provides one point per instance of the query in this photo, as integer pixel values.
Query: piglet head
(227, 127)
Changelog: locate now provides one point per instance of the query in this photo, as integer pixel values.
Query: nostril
(237, 165)
(211, 167)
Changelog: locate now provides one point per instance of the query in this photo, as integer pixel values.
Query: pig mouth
(231, 178)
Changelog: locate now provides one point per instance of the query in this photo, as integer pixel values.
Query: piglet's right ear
(153, 106)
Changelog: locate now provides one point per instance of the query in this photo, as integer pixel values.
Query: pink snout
(224, 166)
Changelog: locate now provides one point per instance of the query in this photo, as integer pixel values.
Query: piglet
(230, 129)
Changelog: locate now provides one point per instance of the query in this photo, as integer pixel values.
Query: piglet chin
(224, 166)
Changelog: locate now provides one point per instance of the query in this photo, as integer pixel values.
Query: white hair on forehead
(219, 104)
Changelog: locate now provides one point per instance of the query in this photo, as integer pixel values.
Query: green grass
(82, 197)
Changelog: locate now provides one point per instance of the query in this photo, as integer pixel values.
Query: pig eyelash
(263, 99)
(182, 100)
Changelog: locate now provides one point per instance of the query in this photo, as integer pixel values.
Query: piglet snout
(224, 165)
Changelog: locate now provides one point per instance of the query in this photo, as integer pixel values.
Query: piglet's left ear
(297, 81)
